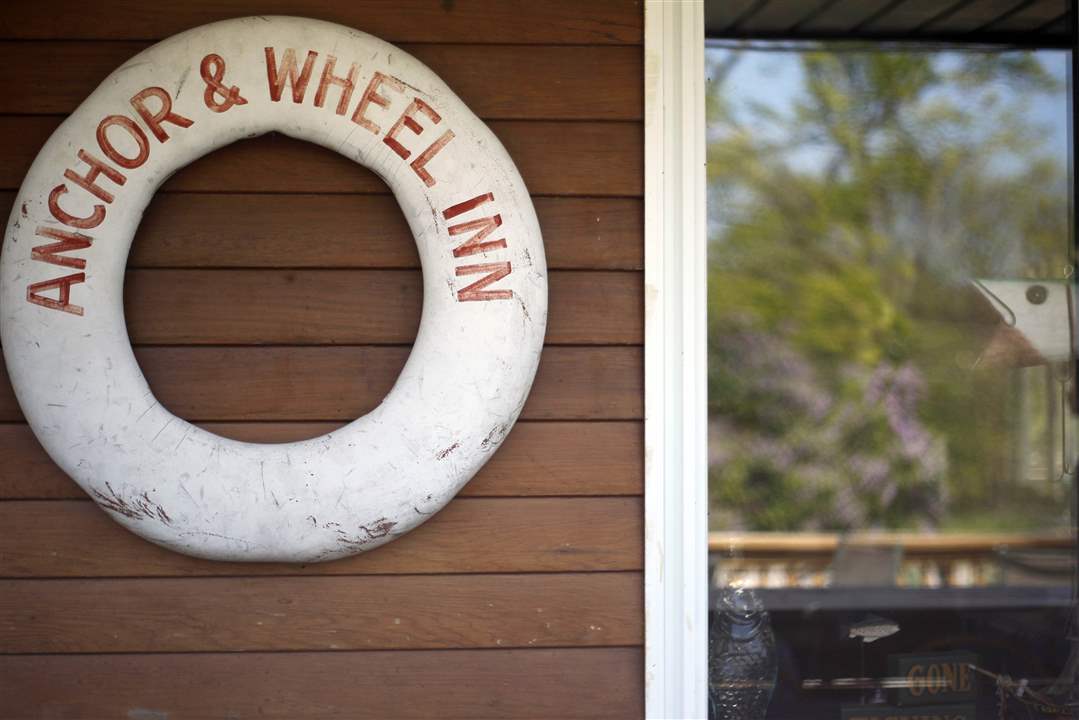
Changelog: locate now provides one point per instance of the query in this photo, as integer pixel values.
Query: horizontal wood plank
(186, 230)
(500, 82)
(536, 459)
(428, 21)
(554, 158)
(191, 230)
(321, 613)
(305, 307)
(567, 684)
(204, 384)
(75, 538)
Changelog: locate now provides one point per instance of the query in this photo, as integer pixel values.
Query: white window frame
(675, 362)
(675, 405)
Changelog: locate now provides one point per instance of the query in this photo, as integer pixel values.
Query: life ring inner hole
(291, 311)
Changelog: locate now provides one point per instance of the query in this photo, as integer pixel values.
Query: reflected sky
(770, 75)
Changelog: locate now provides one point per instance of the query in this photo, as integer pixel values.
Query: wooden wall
(272, 294)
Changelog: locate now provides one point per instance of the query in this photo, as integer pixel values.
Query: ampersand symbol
(213, 70)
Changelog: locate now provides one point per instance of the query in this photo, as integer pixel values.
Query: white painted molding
(676, 489)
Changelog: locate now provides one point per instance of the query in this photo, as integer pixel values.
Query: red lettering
(63, 285)
(95, 218)
(110, 150)
(288, 68)
(475, 291)
(88, 182)
(66, 242)
(370, 95)
(462, 207)
(153, 120)
(212, 70)
(475, 244)
(408, 119)
(347, 84)
(419, 165)
(484, 226)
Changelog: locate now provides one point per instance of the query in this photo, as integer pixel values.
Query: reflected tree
(846, 220)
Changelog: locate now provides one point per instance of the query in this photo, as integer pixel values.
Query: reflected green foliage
(846, 219)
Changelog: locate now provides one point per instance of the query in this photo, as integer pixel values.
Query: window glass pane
(892, 408)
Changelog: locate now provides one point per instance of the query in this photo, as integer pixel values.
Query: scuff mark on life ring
(442, 455)
(493, 437)
(378, 530)
(141, 508)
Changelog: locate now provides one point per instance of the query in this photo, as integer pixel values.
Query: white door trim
(676, 491)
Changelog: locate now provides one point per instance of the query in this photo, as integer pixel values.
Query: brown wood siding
(272, 294)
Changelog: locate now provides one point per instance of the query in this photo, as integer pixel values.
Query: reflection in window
(891, 382)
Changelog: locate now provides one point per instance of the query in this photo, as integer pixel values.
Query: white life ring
(61, 293)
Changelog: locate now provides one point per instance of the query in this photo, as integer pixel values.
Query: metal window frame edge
(675, 362)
